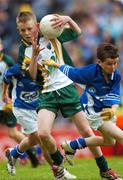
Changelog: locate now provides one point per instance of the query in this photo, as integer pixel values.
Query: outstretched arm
(76, 74)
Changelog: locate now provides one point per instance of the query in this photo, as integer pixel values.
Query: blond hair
(24, 16)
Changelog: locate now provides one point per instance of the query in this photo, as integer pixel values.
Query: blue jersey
(25, 92)
(97, 93)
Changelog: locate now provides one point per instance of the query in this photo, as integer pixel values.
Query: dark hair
(25, 16)
(107, 50)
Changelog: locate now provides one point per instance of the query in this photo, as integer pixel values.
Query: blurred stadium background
(100, 20)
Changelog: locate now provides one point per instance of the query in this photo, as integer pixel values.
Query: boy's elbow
(79, 32)
(33, 77)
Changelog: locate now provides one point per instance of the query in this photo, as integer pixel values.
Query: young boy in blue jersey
(58, 92)
(7, 117)
(25, 100)
(99, 100)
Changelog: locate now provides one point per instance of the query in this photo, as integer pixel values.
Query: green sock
(57, 157)
(102, 163)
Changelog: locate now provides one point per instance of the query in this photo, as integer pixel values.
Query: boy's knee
(33, 140)
(43, 135)
(87, 132)
(110, 142)
(12, 134)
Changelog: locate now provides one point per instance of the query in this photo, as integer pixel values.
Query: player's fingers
(57, 24)
(103, 114)
(106, 109)
(47, 62)
(56, 15)
(41, 49)
(54, 19)
(106, 118)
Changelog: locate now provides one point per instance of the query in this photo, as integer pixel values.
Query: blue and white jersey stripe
(66, 70)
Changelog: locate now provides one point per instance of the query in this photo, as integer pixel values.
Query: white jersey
(54, 79)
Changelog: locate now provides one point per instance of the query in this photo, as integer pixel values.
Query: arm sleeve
(68, 35)
(9, 60)
(10, 73)
(79, 75)
(114, 96)
(67, 58)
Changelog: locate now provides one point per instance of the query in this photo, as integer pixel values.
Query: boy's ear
(38, 25)
(98, 61)
(17, 28)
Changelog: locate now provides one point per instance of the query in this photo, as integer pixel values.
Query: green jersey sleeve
(67, 35)
(8, 60)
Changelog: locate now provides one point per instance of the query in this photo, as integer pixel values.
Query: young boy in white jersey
(58, 91)
(25, 100)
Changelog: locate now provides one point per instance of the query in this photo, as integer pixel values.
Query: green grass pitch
(84, 169)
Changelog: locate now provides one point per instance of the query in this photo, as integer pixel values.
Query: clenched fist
(7, 107)
(107, 114)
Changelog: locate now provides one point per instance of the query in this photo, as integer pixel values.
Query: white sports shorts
(27, 119)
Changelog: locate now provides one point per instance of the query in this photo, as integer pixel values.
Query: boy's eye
(29, 29)
(22, 30)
